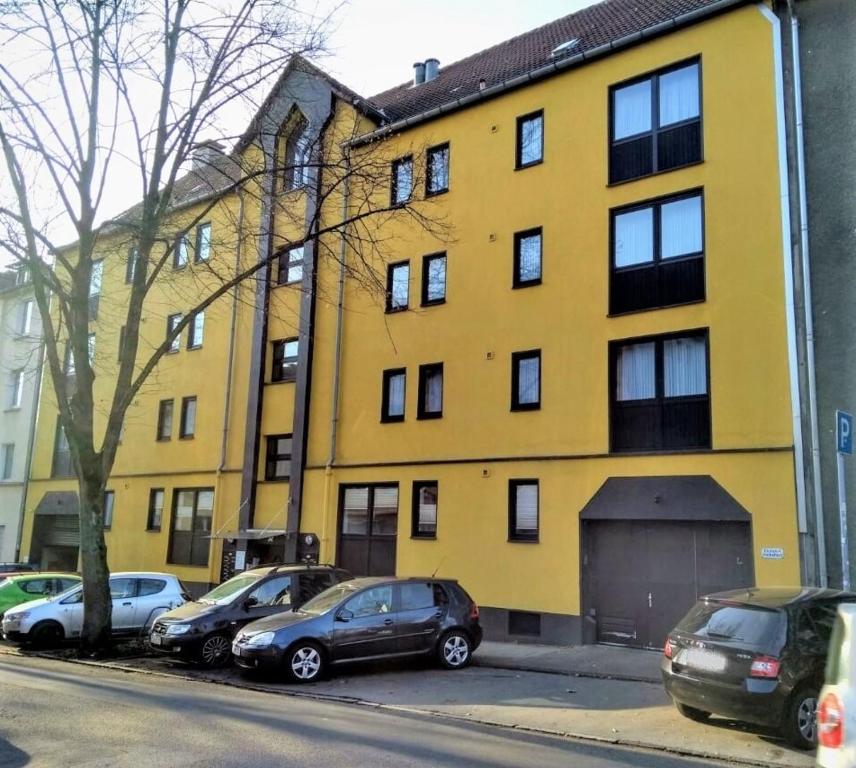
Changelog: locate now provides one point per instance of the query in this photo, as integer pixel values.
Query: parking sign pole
(842, 516)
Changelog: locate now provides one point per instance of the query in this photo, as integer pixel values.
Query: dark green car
(15, 590)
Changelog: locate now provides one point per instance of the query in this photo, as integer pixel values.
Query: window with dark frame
(657, 253)
(402, 180)
(290, 265)
(187, 426)
(181, 252)
(196, 331)
(424, 520)
(397, 286)
(109, 502)
(278, 457)
(393, 397)
(655, 122)
(62, 464)
(660, 393)
(155, 513)
(284, 365)
(25, 315)
(190, 527)
(171, 322)
(530, 139)
(430, 401)
(96, 277)
(165, 411)
(433, 279)
(528, 249)
(526, 380)
(131, 265)
(437, 170)
(8, 460)
(523, 514)
(297, 156)
(202, 251)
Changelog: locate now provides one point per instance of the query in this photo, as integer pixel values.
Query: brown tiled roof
(594, 26)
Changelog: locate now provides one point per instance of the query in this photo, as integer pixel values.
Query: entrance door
(641, 577)
(368, 523)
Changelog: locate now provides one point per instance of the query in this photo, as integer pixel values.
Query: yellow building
(577, 397)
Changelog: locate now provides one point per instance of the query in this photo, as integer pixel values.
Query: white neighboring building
(20, 377)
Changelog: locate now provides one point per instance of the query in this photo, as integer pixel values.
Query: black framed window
(7, 462)
(424, 520)
(655, 122)
(165, 411)
(430, 405)
(171, 322)
(61, 465)
(155, 513)
(523, 502)
(526, 380)
(109, 503)
(190, 528)
(394, 391)
(397, 286)
(131, 265)
(402, 180)
(296, 162)
(96, 277)
(187, 427)
(657, 253)
(196, 331)
(284, 366)
(290, 266)
(181, 252)
(278, 457)
(660, 393)
(203, 243)
(530, 139)
(528, 250)
(437, 170)
(433, 279)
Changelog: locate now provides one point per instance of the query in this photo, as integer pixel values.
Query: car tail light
(830, 722)
(667, 649)
(474, 612)
(765, 666)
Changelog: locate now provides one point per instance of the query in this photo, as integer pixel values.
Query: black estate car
(202, 630)
(364, 619)
(755, 655)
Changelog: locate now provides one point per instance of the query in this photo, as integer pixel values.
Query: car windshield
(329, 598)
(733, 623)
(228, 589)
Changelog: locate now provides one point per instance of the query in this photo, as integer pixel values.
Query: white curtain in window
(198, 328)
(356, 511)
(530, 257)
(527, 508)
(685, 366)
(679, 95)
(631, 110)
(396, 395)
(400, 284)
(528, 379)
(434, 392)
(634, 237)
(681, 227)
(635, 372)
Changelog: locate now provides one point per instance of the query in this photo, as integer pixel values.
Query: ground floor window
(368, 523)
(190, 528)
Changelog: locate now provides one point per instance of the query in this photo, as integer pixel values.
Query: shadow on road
(11, 756)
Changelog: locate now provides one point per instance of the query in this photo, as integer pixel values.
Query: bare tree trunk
(97, 604)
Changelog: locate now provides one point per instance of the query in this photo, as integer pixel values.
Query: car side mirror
(250, 602)
(344, 615)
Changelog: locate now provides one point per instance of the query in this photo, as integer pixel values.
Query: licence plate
(156, 640)
(707, 661)
(236, 650)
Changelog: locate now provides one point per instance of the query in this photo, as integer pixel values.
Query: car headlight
(16, 616)
(177, 629)
(261, 640)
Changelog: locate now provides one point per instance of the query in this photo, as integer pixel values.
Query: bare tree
(109, 88)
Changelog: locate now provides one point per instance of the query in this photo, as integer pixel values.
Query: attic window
(564, 48)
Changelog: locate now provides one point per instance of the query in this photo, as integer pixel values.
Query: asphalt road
(58, 714)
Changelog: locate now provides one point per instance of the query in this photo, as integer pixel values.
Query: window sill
(437, 193)
(290, 284)
(525, 407)
(395, 310)
(429, 416)
(179, 267)
(186, 437)
(653, 173)
(12, 408)
(423, 537)
(526, 284)
(194, 347)
(153, 530)
(531, 164)
(274, 480)
(173, 351)
(392, 419)
(187, 565)
(281, 381)
(522, 540)
(434, 302)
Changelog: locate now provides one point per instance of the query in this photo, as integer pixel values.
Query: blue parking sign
(844, 432)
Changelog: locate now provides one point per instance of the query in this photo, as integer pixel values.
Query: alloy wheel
(456, 651)
(807, 718)
(215, 650)
(306, 663)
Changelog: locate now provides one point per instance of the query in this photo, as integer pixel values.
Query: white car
(138, 599)
(836, 710)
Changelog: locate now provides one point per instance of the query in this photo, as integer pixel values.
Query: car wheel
(216, 651)
(699, 715)
(47, 634)
(454, 649)
(304, 662)
(800, 723)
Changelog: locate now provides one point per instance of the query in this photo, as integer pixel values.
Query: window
(278, 463)
(22, 275)
(165, 409)
(151, 587)
(291, 266)
(397, 286)
(402, 180)
(655, 123)
(523, 510)
(298, 146)
(191, 526)
(275, 591)
(424, 523)
(417, 595)
(526, 380)
(181, 252)
(394, 389)
(370, 509)
(196, 331)
(61, 466)
(188, 417)
(530, 139)
(171, 324)
(131, 265)
(121, 343)
(90, 349)
(25, 317)
(95, 278)
(430, 404)
(203, 243)
(527, 257)
(433, 279)
(15, 388)
(657, 254)
(284, 360)
(153, 521)
(8, 460)
(371, 602)
(109, 499)
(437, 170)
(659, 393)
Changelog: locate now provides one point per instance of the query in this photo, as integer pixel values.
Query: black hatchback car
(755, 655)
(365, 619)
(202, 630)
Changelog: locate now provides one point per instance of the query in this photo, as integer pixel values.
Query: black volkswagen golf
(365, 619)
(202, 629)
(755, 655)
